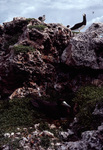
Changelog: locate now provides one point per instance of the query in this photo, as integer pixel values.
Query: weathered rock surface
(98, 111)
(25, 67)
(43, 66)
(51, 62)
(33, 140)
(86, 49)
(89, 140)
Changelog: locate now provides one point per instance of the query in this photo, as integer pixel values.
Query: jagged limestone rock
(86, 49)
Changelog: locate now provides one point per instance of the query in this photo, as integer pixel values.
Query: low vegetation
(12, 40)
(38, 27)
(29, 19)
(87, 98)
(19, 113)
(75, 32)
(45, 142)
(22, 49)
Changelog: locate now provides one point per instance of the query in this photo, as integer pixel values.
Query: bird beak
(65, 104)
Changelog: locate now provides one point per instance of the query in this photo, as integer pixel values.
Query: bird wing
(76, 26)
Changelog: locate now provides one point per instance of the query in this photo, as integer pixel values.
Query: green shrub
(29, 19)
(38, 27)
(20, 113)
(12, 40)
(75, 32)
(45, 141)
(21, 49)
(43, 126)
(17, 113)
(87, 98)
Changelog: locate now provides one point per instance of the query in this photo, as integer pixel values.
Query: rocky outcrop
(33, 51)
(46, 55)
(44, 60)
(34, 140)
(16, 68)
(86, 49)
(25, 139)
(89, 140)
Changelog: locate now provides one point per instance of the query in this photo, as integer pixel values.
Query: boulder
(98, 111)
(86, 49)
(89, 140)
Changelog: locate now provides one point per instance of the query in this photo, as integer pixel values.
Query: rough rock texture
(90, 140)
(43, 59)
(19, 69)
(98, 111)
(41, 64)
(86, 49)
(33, 140)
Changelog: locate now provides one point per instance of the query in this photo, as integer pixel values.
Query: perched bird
(54, 110)
(80, 25)
(42, 18)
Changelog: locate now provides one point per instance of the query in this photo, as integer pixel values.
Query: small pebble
(57, 144)
(18, 133)
(25, 139)
(52, 126)
(36, 125)
(25, 129)
(7, 135)
(18, 129)
(12, 134)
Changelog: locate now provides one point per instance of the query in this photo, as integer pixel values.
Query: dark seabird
(80, 25)
(54, 110)
(42, 18)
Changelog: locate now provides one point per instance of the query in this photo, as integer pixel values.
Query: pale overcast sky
(67, 12)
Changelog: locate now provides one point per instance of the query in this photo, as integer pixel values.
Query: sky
(67, 12)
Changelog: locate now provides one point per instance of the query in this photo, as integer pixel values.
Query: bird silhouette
(80, 25)
(54, 110)
(42, 18)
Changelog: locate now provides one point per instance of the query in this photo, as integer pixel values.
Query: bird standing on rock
(54, 110)
(80, 25)
(42, 18)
